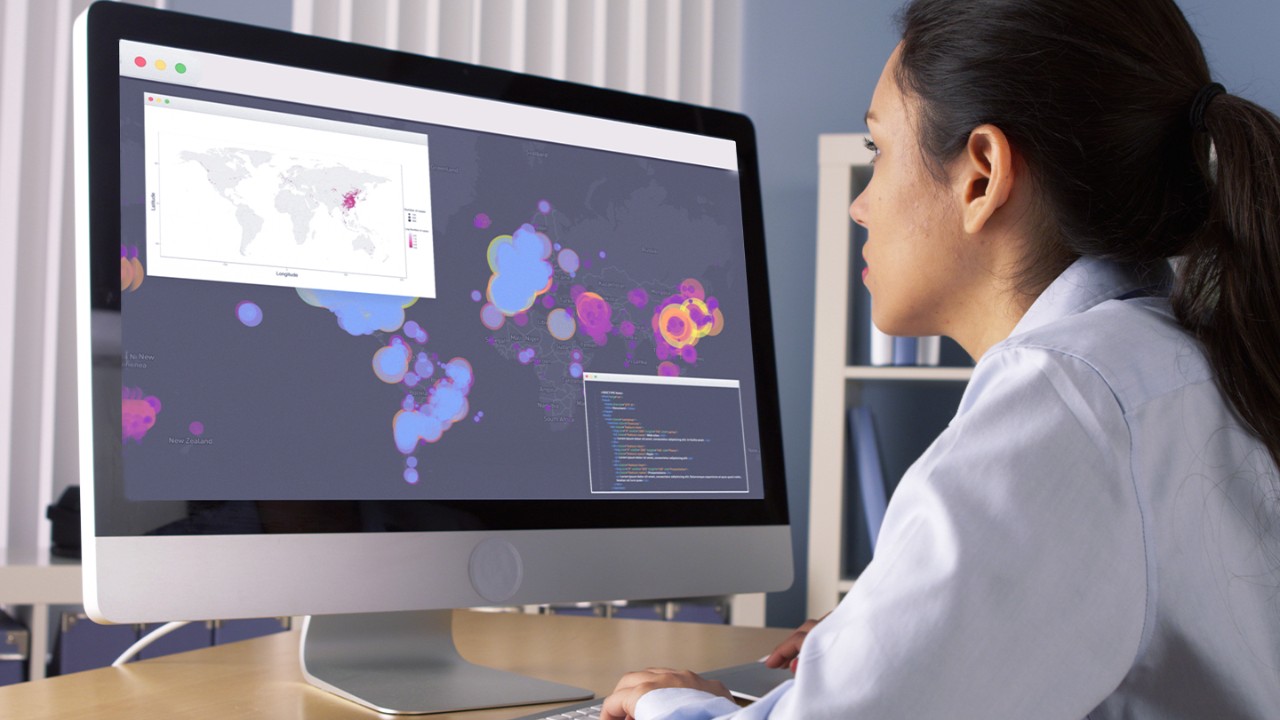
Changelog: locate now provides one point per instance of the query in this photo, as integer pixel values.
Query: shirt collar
(1089, 281)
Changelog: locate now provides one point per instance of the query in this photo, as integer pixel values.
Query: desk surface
(260, 678)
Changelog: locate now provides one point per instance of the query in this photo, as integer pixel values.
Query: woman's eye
(871, 146)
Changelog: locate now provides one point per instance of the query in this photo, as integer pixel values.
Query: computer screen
(366, 332)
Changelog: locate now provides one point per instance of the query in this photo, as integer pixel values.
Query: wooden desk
(260, 678)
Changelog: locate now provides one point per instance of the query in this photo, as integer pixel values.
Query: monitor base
(405, 663)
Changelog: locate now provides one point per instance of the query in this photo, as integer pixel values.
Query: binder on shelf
(708, 610)
(904, 350)
(868, 470)
(881, 347)
(15, 646)
(82, 644)
(929, 351)
(891, 350)
(227, 631)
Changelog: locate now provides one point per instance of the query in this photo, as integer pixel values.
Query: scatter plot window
(255, 196)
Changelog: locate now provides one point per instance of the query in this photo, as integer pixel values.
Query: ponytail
(1228, 289)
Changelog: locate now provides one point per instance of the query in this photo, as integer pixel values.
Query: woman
(1095, 534)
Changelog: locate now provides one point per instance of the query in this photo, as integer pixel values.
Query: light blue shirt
(1093, 535)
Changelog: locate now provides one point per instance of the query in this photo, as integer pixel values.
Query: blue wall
(810, 67)
(1239, 38)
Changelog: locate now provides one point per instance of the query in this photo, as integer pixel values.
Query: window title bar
(310, 87)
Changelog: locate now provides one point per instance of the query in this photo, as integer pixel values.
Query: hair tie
(1201, 103)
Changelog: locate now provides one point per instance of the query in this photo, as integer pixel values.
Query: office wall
(810, 67)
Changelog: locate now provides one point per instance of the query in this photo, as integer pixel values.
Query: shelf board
(36, 577)
(907, 372)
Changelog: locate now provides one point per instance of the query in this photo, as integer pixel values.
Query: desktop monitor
(366, 336)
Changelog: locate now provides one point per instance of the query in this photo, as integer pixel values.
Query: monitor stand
(405, 663)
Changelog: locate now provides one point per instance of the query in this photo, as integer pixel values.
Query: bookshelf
(844, 165)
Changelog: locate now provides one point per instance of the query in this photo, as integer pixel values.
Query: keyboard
(749, 681)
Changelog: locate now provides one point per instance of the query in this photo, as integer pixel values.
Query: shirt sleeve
(687, 704)
(683, 704)
(1010, 575)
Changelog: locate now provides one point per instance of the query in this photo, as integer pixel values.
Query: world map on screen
(321, 200)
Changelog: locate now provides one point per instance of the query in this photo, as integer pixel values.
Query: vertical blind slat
(369, 24)
(559, 38)
(391, 25)
(455, 29)
(637, 31)
(664, 49)
(726, 63)
(579, 24)
(598, 36)
(29, 362)
(496, 31)
(545, 31)
(537, 42)
(12, 81)
(695, 35)
(516, 34)
(617, 42)
(304, 17)
(677, 49)
(344, 11)
(411, 30)
(324, 18)
(56, 242)
(432, 28)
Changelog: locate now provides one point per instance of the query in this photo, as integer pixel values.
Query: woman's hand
(621, 704)
(786, 654)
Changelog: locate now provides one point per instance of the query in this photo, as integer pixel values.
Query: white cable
(146, 640)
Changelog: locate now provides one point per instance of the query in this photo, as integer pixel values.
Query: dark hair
(1097, 96)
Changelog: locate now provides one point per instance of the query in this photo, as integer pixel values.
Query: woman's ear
(984, 176)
